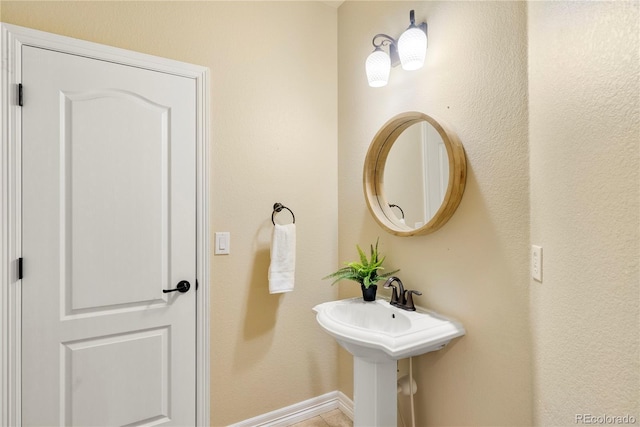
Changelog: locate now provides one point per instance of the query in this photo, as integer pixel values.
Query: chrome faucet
(404, 299)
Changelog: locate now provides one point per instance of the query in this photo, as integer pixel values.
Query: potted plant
(366, 272)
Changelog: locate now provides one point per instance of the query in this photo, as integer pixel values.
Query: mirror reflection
(416, 175)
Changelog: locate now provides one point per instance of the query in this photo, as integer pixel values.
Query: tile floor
(335, 418)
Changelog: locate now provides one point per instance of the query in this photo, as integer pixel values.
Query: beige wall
(274, 139)
(534, 353)
(584, 86)
(476, 267)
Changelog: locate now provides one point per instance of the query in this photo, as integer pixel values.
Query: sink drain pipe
(407, 386)
(413, 391)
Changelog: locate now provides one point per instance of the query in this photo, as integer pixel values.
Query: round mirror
(414, 174)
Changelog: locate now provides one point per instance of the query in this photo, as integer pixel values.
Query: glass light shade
(412, 48)
(378, 66)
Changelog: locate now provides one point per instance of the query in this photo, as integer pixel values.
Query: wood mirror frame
(373, 176)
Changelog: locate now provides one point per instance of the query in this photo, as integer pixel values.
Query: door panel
(100, 205)
(108, 224)
(89, 362)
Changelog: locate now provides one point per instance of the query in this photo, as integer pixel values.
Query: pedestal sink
(378, 334)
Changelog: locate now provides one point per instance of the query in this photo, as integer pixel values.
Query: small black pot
(369, 294)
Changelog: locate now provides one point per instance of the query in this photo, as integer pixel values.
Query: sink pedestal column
(375, 386)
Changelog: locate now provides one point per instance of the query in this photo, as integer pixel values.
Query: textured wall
(274, 132)
(584, 71)
(476, 267)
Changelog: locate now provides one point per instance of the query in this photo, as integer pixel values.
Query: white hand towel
(283, 258)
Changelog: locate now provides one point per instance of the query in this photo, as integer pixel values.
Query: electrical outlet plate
(536, 262)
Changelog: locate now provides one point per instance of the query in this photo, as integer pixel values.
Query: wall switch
(536, 262)
(223, 243)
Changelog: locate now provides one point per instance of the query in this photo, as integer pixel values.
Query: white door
(109, 223)
(436, 170)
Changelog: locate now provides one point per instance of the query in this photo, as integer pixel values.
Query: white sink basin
(378, 331)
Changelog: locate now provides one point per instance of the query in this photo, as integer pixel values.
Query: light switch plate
(223, 243)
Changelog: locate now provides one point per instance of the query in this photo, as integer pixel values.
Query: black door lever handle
(183, 286)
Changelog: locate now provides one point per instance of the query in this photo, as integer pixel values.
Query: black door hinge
(20, 275)
(20, 100)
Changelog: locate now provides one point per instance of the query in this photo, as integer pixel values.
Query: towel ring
(391, 205)
(277, 208)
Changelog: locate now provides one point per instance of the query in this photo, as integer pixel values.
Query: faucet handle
(409, 305)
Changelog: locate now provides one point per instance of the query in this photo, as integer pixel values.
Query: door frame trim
(12, 38)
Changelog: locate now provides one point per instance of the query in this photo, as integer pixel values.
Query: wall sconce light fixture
(409, 50)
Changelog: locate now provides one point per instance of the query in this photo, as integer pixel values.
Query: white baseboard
(345, 404)
(301, 411)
